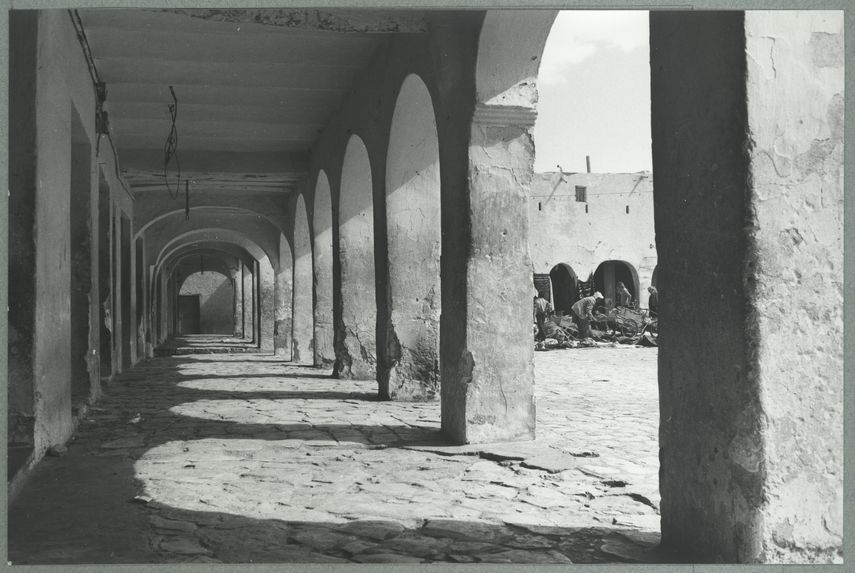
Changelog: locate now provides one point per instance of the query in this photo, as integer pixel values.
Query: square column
(266, 305)
(747, 156)
(248, 307)
(487, 348)
(237, 303)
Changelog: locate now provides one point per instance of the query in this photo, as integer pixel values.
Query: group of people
(583, 309)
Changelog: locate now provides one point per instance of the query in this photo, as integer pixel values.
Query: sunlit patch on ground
(249, 458)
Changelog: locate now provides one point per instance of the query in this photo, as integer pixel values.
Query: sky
(594, 93)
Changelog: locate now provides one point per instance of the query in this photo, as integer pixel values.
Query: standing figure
(653, 301)
(624, 298)
(542, 308)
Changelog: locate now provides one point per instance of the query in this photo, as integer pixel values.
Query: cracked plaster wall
(710, 441)
(283, 293)
(444, 59)
(795, 115)
(249, 317)
(358, 355)
(485, 264)
(237, 305)
(265, 301)
(749, 233)
(411, 368)
(23, 34)
(40, 177)
(302, 342)
(322, 267)
(499, 386)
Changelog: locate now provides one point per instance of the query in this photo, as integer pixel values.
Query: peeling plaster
(353, 21)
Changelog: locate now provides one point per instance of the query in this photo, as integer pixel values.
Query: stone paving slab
(238, 458)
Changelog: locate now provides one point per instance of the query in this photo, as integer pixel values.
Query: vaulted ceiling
(254, 87)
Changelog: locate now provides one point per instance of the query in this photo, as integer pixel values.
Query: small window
(581, 194)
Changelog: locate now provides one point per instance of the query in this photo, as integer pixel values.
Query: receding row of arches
(318, 265)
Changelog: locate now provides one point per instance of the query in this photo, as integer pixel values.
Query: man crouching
(582, 313)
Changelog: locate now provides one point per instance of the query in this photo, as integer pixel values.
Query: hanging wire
(84, 43)
(170, 148)
(100, 90)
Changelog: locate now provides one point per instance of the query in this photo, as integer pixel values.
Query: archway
(228, 257)
(609, 273)
(258, 277)
(564, 288)
(212, 293)
(303, 330)
(414, 244)
(322, 260)
(356, 354)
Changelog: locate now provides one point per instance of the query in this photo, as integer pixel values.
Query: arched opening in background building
(609, 274)
(564, 288)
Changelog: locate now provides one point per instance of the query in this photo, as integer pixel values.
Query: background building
(595, 227)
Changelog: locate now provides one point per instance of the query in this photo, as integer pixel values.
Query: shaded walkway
(242, 458)
(206, 344)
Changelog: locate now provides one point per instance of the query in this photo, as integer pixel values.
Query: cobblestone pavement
(242, 458)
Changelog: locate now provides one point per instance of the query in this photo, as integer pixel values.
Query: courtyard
(243, 458)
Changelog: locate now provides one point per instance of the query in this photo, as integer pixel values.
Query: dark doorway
(22, 181)
(188, 314)
(564, 292)
(80, 218)
(609, 273)
(105, 265)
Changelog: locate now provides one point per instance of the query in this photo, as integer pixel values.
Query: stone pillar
(133, 296)
(283, 295)
(747, 151)
(266, 304)
(171, 308)
(486, 348)
(127, 334)
(302, 339)
(116, 300)
(141, 333)
(105, 285)
(492, 393)
(409, 367)
(248, 307)
(80, 244)
(356, 334)
(158, 308)
(256, 304)
(322, 267)
(237, 311)
(151, 313)
(162, 307)
(53, 262)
